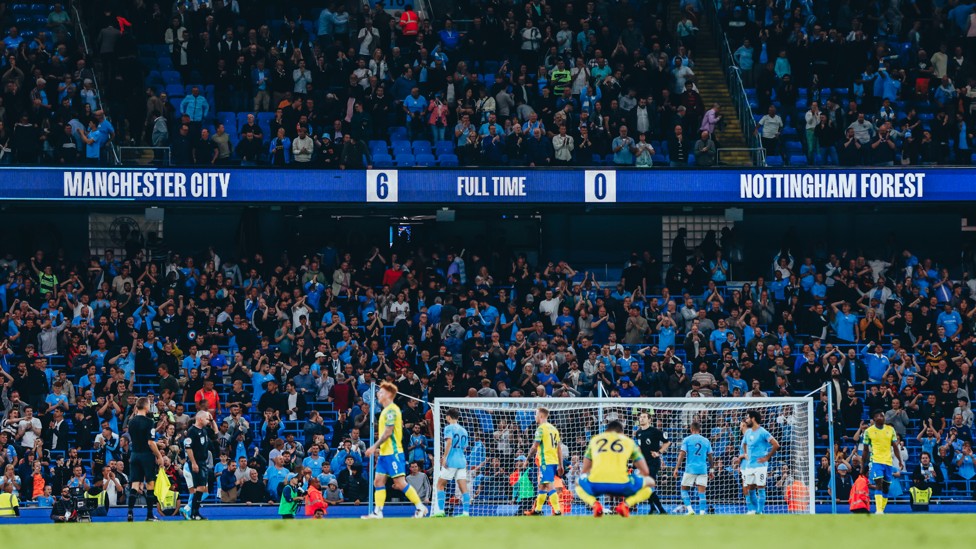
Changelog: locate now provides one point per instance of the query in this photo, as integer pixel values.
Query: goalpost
(501, 431)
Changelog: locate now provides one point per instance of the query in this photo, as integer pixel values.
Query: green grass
(780, 532)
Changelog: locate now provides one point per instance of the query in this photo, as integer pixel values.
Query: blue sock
(760, 500)
(441, 500)
(466, 502)
(751, 501)
(702, 504)
(686, 498)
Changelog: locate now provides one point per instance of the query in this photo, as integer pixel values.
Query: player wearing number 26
(606, 472)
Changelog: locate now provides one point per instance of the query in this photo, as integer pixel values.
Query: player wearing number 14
(454, 466)
(550, 449)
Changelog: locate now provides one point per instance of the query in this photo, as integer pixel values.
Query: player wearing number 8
(758, 446)
(391, 462)
(605, 471)
(698, 450)
(454, 466)
(550, 449)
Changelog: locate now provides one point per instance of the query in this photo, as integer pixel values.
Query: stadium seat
(242, 119)
(399, 149)
(377, 158)
(426, 161)
(774, 161)
(175, 91)
(171, 78)
(405, 160)
(448, 161)
(164, 63)
(398, 130)
(659, 159)
(798, 160)
(161, 50)
(597, 160)
(265, 117)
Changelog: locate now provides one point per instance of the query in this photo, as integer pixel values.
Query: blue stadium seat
(774, 160)
(175, 91)
(398, 130)
(405, 160)
(266, 117)
(164, 63)
(155, 77)
(161, 50)
(691, 160)
(399, 149)
(145, 49)
(20, 8)
(658, 159)
(426, 161)
(609, 160)
(443, 144)
(382, 158)
(492, 66)
(597, 160)
(448, 161)
(489, 80)
(40, 20)
(171, 78)
(798, 160)
(794, 146)
(242, 119)
(421, 147)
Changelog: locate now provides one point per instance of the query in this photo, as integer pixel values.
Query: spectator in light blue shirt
(449, 36)
(13, 39)
(845, 323)
(951, 321)
(623, 149)
(196, 107)
(719, 269)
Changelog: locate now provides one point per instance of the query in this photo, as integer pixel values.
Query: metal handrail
(736, 87)
(80, 31)
(755, 152)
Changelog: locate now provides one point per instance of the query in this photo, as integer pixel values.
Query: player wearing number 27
(454, 466)
(698, 451)
(605, 471)
(391, 462)
(550, 449)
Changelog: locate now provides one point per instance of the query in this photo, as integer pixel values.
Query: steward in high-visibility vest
(9, 504)
(859, 496)
(409, 22)
(921, 494)
(797, 497)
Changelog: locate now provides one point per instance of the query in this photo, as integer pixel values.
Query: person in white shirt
(771, 124)
(400, 309)
(812, 118)
(302, 146)
(550, 306)
(563, 146)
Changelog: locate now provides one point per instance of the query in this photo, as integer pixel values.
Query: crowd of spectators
(283, 352)
(858, 83)
(553, 84)
(49, 106)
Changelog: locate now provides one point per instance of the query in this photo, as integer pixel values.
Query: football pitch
(611, 532)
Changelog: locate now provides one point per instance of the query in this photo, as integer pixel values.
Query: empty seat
(398, 130)
(597, 160)
(774, 161)
(175, 91)
(421, 147)
(265, 117)
(164, 63)
(448, 161)
(170, 78)
(659, 159)
(161, 50)
(405, 160)
(798, 160)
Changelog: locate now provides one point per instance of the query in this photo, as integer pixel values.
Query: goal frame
(442, 404)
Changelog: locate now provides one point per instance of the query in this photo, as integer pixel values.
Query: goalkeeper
(605, 471)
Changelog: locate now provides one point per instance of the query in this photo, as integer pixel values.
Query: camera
(81, 507)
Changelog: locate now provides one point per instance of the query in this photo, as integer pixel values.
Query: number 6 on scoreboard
(601, 186)
(382, 186)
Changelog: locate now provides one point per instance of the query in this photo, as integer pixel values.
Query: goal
(502, 430)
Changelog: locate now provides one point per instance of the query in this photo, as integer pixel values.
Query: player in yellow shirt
(550, 449)
(879, 438)
(605, 471)
(391, 462)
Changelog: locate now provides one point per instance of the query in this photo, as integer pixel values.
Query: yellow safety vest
(920, 497)
(7, 504)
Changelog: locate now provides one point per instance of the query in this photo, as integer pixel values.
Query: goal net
(501, 432)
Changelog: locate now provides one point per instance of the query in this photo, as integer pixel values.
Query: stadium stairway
(710, 79)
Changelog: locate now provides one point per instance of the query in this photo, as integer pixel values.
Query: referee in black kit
(144, 460)
(653, 442)
(197, 448)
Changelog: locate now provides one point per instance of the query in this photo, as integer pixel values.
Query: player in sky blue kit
(454, 466)
(758, 446)
(698, 451)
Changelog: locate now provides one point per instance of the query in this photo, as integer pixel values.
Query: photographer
(292, 498)
(61, 511)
